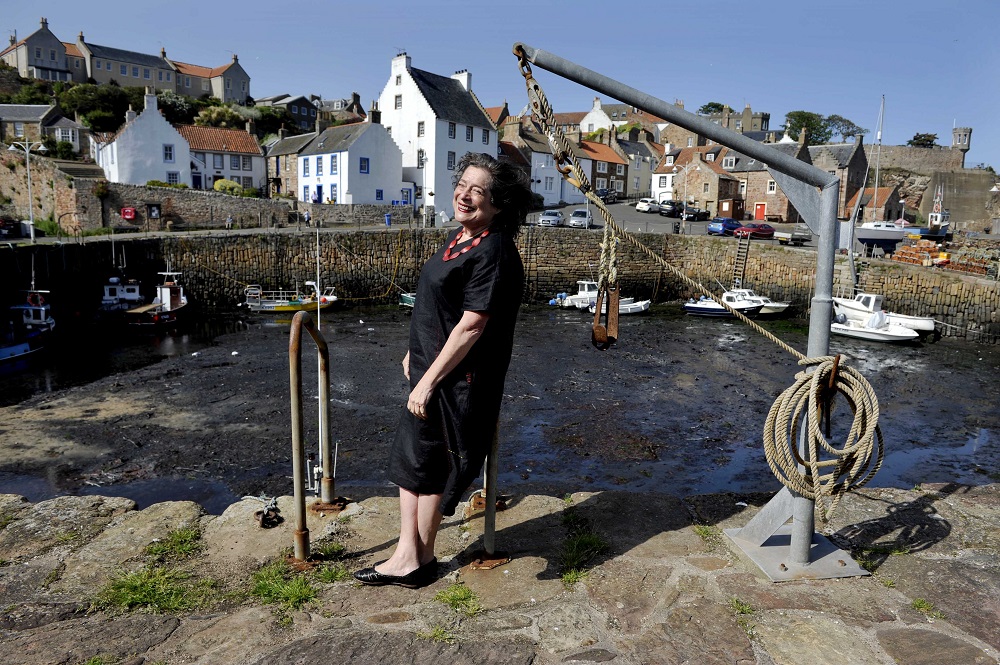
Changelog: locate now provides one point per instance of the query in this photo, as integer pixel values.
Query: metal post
(490, 489)
(28, 146)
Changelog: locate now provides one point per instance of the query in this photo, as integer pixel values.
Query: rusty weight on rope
(606, 334)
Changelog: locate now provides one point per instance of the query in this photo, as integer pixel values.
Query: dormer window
(710, 157)
(729, 162)
(670, 160)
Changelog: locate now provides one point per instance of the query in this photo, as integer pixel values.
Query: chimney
(150, 98)
(464, 77)
(374, 115)
(45, 23)
(251, 127)
(79, 38)
(859, 138)
(802, 136)
(401, 63)
(163, 53)
(597, 104)
(355, 100)
(321, 124)
(235, 58)
(282, 133)
(130, 114)
(13, 40)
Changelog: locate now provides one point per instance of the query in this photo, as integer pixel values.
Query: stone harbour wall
(375, 266)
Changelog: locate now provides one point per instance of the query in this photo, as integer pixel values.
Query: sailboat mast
(878, 156)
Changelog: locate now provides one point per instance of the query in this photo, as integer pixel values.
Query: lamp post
(683, 173)
(27, 147)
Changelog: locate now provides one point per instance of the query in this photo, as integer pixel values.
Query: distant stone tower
(961, 139)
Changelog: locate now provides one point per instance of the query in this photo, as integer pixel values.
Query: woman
(461, 336)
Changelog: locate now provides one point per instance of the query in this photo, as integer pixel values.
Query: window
(451, 161)
(305, 167)
(602, 183)
(670, 160)
(710, 157)
(52, 54)
(333, 192)
(635, 183)
(486, 136)
(399, 79)
(187, 81)
(159, 75)
(234, 162)
(729, 162)
(420, 128)
(247, 182)
(123, 70)
(549, 182)
(97, 63)
(420, 159)
(333, 165)
(173, 177)
(602, 167)
(168, 76)
(663, 181)
(743, 187)
(364, 165)
(200, 156)
(319, 165)
(135, 72)
(38, 53)
(168, 153)
(107, 66)
(771, 187)
(388, 130)
(399, 102)
(19, 130)
(690, 141)
(229, 84)
(468, 132)
(739, 125)
(378, 194)
(406, 196)
(217, 162)
(66, 135)
(295, 110)
(305, 192)
(619, 186)
(205, 85)
(451, 130)
(312, 112)
(704, 188)
(620, 169)
(590, 127)
(76, 63)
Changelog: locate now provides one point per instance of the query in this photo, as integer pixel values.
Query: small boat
(407, 299)
(586, 294)
(35, 314)
(705, 306)
(875, 329)
(258, 300)
(625, 306)
(864, 305)
(167, 305)
(17, 343)
(120, 295)
(770, 307)
(884, 235)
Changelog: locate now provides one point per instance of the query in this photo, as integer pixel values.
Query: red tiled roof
(72, 50)
(881, 199)
(218, 139)
(494, 113)
(601, 152)
(568, 118)
(12, 47)
(197, 70)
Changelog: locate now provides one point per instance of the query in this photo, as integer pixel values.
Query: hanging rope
(815, 390)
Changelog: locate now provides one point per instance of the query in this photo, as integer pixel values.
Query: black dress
(444, 453)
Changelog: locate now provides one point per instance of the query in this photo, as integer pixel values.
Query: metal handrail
(300, 320)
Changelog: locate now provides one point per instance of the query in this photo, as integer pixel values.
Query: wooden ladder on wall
(740, 265)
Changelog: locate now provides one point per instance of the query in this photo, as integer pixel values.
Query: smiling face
(473, 208)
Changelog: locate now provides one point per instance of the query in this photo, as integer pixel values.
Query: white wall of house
(382, 184)
(148, 148)
(662, 187)
(596, 118)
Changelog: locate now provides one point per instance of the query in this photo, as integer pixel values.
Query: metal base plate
(332, 508)
(484, 561)
(826, 561)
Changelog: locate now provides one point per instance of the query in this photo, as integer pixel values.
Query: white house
(356, 163)
(596, 118)
(662, 181)
(218, 153)
(434, 120)
(145, 148)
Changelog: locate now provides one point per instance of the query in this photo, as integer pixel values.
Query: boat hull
(717, 311)
(855, 310)
(886, 333)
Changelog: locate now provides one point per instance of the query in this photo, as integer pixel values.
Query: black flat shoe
(415, 579)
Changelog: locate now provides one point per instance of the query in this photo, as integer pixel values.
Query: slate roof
(449, 100)
(218, 139)
(291, 145)
(636, 148)
(841, 152)
(131, 57)
(629, 114)
(23, 112)
(336, 139)
(536, 143)
(745, 164)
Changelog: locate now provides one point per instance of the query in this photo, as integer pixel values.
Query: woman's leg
(419, 518)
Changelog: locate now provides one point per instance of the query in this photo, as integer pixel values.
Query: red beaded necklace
(448, 256)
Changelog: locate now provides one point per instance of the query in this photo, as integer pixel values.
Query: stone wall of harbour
(375, 266)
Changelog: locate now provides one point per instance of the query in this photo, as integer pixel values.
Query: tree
(177, 109)
(923, 140)
(842, 127)
(219, 116)
(710, 108)
(817, 130)
(228, 187)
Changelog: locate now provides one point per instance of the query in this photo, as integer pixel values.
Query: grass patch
(582, 544)
(870, 557)
(329, 551)
(333, 572)
(460, 598)
(887, 582)
(155, 589)
(277, 584)
(178, 544)
(926, 608)
(5, 519)
(740, 607)
(572, 576)
(438, 634)
(709, 534)
(66, 537)
(744, 615)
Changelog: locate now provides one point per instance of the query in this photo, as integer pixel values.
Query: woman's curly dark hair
(510, 191)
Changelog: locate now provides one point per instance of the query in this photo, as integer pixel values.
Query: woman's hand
(406, 365)
(419, 398)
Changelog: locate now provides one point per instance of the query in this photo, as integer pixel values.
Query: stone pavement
(669, 588)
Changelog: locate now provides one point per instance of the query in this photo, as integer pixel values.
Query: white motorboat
(625, 306)
(167, 304)
(864, 305)
(259, 300)
(875, 329)
(770, 307)
(586, 294)
(120, 295)
(705, 306)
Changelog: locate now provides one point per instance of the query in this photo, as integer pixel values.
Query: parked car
(607, 195)
(691, 214)
(647, 205)
(799, 235)
(755, 231)
(670, 208)
(581, 218)
(722, 226)
(550, 218)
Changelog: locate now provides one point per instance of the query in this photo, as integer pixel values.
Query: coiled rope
(814, 392)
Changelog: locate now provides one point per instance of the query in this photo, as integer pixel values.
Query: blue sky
(937, 63)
